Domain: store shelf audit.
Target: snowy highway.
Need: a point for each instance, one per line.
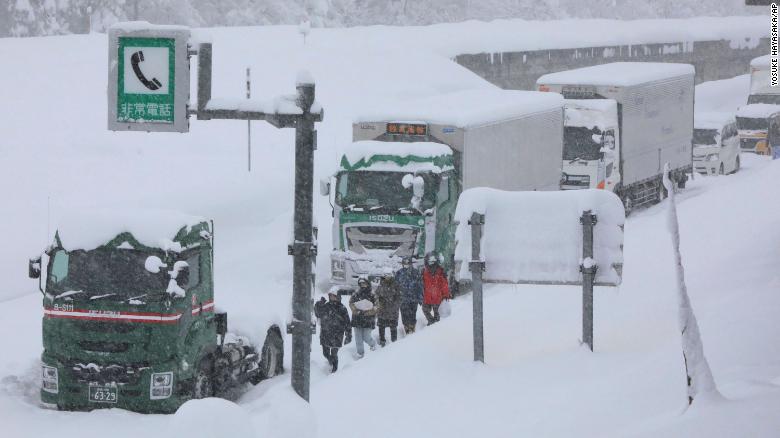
(537, 381)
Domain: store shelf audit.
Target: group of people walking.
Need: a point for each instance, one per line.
(398, 292)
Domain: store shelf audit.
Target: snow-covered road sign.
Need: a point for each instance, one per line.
(148, 77)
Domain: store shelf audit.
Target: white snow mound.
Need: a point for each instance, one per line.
(211, 418)
(537, 236)
(89, 229)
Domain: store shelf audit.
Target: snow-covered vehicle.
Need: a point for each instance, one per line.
(397, 185)
(715, 143)
(129, 319)
(624, 120)
(762, 112)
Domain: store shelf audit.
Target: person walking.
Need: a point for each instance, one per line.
(409, 281)
(388, 301)
(363, 306)
(334, 326)
(435, 288)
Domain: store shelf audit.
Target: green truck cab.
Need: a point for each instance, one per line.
(130, 322)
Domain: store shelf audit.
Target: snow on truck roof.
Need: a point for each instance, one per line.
(92, 228)
(623, 74)
(755, 110)
(760, 62)
(712, 119)
(467, 108)
(397, 156)
(590, 113)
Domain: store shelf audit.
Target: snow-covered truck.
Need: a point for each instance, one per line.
(762, 112)
(624, 120)
(397, 185)
(129, 319)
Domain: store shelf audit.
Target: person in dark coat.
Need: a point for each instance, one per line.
(388, 302)
(435, 288)
(409, 281)
(334, 325)
(363, 306)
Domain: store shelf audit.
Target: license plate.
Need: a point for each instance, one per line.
(103, 394)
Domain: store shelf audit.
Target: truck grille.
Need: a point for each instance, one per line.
(399, 240)
(104, 346)
(127, 374)
(105, 327)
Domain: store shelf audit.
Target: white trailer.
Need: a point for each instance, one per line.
(654, 113)
(509, 140)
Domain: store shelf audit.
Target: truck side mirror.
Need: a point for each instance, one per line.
(183, 278)
(34, 268)
(325, 186)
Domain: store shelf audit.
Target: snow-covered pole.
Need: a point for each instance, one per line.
(588, 269)
(477, 266)
(248, 125)
(303, 247)
(697, 370)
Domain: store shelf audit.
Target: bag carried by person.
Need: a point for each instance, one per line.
(444, 309)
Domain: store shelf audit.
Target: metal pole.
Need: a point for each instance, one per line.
(204, 79)
(248, 126)
(303, 248)
(588, 269)
(477, 266)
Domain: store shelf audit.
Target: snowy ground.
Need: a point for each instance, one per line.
(56, 155)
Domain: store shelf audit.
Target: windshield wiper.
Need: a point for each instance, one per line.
(69, 293)
(98, 297)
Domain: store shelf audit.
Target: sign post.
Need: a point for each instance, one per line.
(148, 78)
(148, 90)
(477, 266)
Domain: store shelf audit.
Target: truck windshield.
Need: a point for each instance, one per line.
(751, 123)
(382, 190)
(579, 143)
(114, 274)
(772, 99)
(705, 136)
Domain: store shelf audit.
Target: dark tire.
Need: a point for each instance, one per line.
(202, 383)
(272, 355)
(681, 179)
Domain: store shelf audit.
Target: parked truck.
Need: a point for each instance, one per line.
(397, 185)
(760, 118)
(129, 319)
(624, 120)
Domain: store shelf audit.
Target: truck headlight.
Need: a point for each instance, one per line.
(337, 268)
(161, 385)
(713, 157)
(50, 379)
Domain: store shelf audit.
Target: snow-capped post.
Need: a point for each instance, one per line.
(477, 266)
(697, 370)
(304, 28)
(588, 268)
(303, 248)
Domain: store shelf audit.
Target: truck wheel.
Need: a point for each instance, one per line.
(681, 179)
(273, 354)
(203, 386)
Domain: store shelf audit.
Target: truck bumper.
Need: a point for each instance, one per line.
(346, 268)
(70, 386)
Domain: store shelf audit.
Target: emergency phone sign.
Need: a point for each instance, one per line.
(148, 86)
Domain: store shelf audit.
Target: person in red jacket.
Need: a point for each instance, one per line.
(435, 288)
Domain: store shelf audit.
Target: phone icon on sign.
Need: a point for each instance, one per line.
(137, 58)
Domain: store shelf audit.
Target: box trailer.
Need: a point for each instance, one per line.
(653, 111)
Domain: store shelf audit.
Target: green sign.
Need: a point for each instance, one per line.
(146, 80)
